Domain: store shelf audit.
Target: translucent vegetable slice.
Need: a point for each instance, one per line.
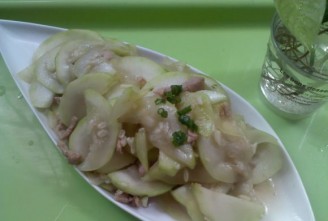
(95, 137)
(213, 158)
(40, 96)
(72, 103)
(117, 162)
(167, 165)
(45, 71)
(142, 147)
(267, 161)
(216, 206)
(183, 176)
(166, 80)
(129, 181)
(69, 53)
(201, 110)
(61, 37)
(267, 158)
(136, 69)
(97, 59)
(186, 198)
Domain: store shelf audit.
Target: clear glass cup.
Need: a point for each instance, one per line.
(294, 81)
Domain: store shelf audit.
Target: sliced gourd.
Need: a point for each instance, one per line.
(216, 206)
(95, 136)
(186, 198)
(72, 103)
(64, 36)
(135, 69)
(166, 80)
(142, 147)
(40, 96)
(267, 161)
(121, 48)
(45, 71)
(212, 88)
(129, 181)
(69, 53)
(172, 208)
(213, 158)
(117, 162)
(183, 176)
(27, 74)
(97, 59)
(168, 166)
(201, 111)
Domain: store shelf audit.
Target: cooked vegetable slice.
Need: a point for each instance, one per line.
(97, 59)
(28, 73)
(72, 103)
(95, 138)
(216, 206)
(213, 158)
(129, 181)
(61, 37)
(142, 147)
(45, 71)
(267, 161)
(68, 54)
(165, 80)
(136, 69)
(185, 197)
(167, 165)
(117, 162)
(41, 97)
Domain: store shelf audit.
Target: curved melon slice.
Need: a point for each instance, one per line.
(95, 136)
(97, 59)
(216, 206)
(45, 71)
(267, 160)
(213, 159)
(136, 69)
(69, 53)
(166, 80)
(61, 37)
(129, 181)
(72, 103)
(185, 197)
(40, 96)
(118, 162)
(212, 88)
(142, 146)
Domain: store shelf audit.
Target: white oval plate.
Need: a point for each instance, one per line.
(19, 40)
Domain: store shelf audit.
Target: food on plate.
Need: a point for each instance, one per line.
(144, 129)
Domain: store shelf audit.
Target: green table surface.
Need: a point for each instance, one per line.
(226, 39)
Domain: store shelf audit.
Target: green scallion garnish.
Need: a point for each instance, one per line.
(185, 110)
(179, 138)
(187, 121)
(172, 98)
(162, 112)
(160, 101)
(176, 89)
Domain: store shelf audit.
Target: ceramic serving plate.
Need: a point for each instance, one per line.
(287, 200)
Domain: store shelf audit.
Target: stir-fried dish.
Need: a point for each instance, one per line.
(144, 129)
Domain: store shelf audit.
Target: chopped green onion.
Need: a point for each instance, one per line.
(162, 112)
(187, 121)
(172, 98)
(176, 89)
(185, 110)
(179, 138)
(160, 101)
